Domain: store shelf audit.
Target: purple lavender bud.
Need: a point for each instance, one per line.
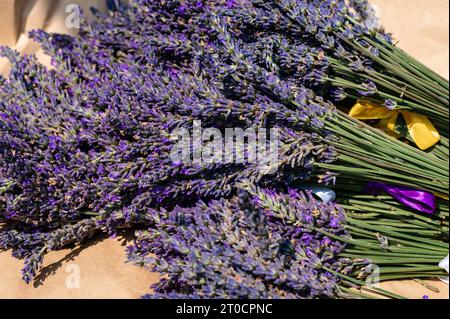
(368, 89)
(390, 104)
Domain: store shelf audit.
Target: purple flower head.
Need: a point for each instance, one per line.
(390, 105)
(229, 249)
(369, 88)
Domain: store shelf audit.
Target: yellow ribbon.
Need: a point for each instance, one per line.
(422, 131)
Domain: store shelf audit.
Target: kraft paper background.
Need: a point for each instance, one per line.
(422, 28)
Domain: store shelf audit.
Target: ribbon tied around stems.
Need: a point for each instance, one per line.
(412, 198)
(420, 128)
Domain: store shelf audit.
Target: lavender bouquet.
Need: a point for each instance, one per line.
(347, 57)
(259, 244)
(86, 147)
(363, 152)
(356, 56)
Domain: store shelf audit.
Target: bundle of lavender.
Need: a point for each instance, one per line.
(258, 244)
(364, 59)
(364, 153)
(88, 146)
(347, 56)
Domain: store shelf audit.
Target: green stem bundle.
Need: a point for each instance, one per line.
(366, 154)
(404, 244)
(397, 76)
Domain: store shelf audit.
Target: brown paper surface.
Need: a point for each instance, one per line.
(422, 28)
(9, 22)
(100, 264)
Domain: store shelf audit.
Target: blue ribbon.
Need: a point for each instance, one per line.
(325, 194)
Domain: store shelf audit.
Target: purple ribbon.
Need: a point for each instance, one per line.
(413, 198)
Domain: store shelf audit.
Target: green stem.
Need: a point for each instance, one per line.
(362, 284)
